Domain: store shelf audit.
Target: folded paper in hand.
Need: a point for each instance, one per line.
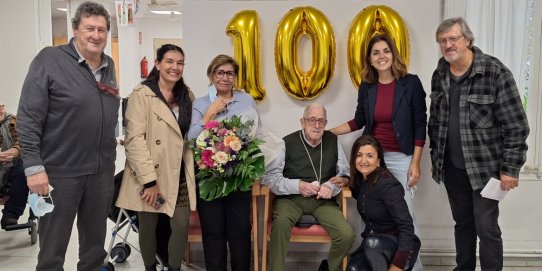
(493, 190)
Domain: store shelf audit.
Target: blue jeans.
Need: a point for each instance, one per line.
(475, 217)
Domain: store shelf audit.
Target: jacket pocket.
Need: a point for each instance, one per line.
(481, 111)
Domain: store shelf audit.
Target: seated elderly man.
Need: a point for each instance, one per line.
(304, 178)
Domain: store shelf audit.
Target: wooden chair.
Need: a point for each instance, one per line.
(313, 234)
(194, 228)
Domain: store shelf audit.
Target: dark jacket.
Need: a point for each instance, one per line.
(409, 111)
(64, 121)
(493, 123)
(383, 209)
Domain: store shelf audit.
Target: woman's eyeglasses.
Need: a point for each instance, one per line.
(221, 73)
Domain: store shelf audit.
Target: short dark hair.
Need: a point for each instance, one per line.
(87, 9)
(398, 67)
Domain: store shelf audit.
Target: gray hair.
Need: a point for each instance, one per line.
(87, 9)
(445, 25)
(314, 105)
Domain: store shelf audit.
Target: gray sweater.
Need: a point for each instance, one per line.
(65, 123)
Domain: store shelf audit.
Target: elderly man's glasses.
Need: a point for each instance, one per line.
(221, 74)
(313, 121)
(452, 40)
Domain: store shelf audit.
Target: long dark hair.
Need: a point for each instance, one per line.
(398, 66)
(181, 93)
(375, 176)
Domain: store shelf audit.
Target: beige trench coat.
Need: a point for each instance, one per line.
(154, 149)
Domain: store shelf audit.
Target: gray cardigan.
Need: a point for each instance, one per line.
(65, 123)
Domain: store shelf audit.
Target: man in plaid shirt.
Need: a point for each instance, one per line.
(477, 130)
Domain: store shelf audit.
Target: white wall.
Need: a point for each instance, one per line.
(25, 31)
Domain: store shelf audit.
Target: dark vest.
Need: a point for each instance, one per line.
(297, 163)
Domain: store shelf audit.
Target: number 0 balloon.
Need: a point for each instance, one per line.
(312, 22)
(367, 23)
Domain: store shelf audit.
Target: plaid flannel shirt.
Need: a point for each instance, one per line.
(492, 121)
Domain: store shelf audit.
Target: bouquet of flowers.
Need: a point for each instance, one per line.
(228, 157)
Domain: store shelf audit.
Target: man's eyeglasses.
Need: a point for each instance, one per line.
(313, 121)
(221, 73)
(452, 40)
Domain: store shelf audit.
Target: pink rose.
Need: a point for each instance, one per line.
(201, 165)
(222, 131)
(220, 146)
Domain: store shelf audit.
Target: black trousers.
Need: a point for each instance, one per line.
(475, 217)
(376, 253)
(18, 192)
(225, 223)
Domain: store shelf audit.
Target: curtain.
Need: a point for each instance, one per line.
(499, 29)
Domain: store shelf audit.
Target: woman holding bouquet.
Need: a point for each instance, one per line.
(159, 171)
(225, 221)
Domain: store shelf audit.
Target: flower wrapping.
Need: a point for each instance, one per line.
(228, 157)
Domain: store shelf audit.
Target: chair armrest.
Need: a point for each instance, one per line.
(343, 203)
(256, 188)
(346, 192)
(264, 191)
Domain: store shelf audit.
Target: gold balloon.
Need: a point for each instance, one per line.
(312, 22)
(371, 21)
(244, 30)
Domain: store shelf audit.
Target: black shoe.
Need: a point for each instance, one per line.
(174, 268)
(323, 266)
(150, 267)
(8, 220)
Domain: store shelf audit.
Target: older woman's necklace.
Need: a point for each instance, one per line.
(318, 177)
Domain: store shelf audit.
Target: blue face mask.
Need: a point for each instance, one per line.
(212, 92)
(38, 204)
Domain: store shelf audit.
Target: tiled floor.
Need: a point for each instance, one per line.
(17, 254)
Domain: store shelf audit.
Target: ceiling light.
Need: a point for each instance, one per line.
(63, 9)
(166, 12)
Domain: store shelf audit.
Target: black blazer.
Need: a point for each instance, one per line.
(383, 209)
(409, 111)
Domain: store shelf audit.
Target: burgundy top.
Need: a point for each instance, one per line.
(383, 118)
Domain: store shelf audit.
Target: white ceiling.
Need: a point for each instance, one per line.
(144, 8)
